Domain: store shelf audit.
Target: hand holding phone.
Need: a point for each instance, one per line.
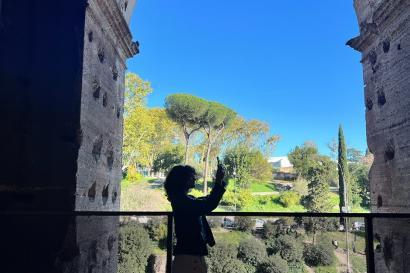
(220, 172)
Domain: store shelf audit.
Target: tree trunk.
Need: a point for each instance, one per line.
(207, 166)
(186, 148)
(314, 237)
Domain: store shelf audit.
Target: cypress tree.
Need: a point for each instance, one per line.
(343, 170)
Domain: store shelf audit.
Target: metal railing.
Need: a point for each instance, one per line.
(368, 218)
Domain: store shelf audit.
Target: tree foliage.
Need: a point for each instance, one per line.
(273, 264)
(222, 258)
(147, 131)
(136, 91)
(216, 118)
(244, 164)
(251, 251)
(187, 111)
(250, 133)
(167, 159)
(343, 171)
(315, 255)
(158, 231)
(288, 247)
(289, 198)
(303, 158)
(134, 249)
(244, 223)
(360, 184)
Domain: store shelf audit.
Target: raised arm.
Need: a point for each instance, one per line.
(206, 204)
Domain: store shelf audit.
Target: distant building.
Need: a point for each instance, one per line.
(281, 163)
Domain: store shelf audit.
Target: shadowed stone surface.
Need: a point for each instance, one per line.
(62, 77)
(384, 42)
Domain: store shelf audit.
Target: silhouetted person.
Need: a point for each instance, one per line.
(191, 227)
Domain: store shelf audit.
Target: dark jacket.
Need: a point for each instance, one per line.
(191, 227)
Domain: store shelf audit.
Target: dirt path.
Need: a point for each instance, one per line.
(341, 257)
(309, 269)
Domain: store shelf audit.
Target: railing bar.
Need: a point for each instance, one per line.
(369, 244)
(169, 243)
(167, 213)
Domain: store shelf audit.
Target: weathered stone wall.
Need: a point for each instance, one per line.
(384, 42)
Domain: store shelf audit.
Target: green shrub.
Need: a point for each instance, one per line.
(240, 198)
(301, 186)
(245, 198)
(158, 230)
(270, 230)
(251, 251)
(244, 223)
(230, 198)
(134, 249)
(289, 198)
(264, 199)
(273, 264)
(326, 269)
(288, 247)
(133, 175)
(316, 255)
(222, 258)
(297, 267)
(196, 193)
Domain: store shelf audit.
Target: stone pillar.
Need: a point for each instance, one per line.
(62, 68)
(384, 42)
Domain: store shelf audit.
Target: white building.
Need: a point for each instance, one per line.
(280, 162)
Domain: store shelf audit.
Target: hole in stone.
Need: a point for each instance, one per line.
(369, 104)
(92, 253)
(90, 36)
(389, 152)
(91, 192)
(114, 196)
(110, 159)
(96, 89)
(125, 5)
(379, 201)
(106, 262)
(101, 54)
(118, 112)
(114, 73)
(110, 242)
(386, 45)
(90, 268)
(372, 57)
(381, 98)
(399, 47)
(388, 249)
(105, 194)
(97, 146)
(105, 99)
(79, 137)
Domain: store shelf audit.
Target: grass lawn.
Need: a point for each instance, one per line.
(262, 187)
(334, 200)
(143, 196)
(326, 269)
(270, 204)
(232, 237)
(358, 263)
(340, 237)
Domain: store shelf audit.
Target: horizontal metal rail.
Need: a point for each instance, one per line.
(168, 213)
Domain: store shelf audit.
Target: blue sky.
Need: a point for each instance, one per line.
(283, 62)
